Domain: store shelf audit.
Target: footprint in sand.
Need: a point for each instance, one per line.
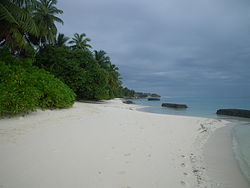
(183, 156)
(182, 182)
(183, 165)
(127, 154)
(185, 173)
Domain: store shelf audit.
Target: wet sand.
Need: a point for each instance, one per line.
(222, 167)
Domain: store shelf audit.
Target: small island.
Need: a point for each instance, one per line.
(131, 94)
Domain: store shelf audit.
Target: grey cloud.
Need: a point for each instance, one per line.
(193, 47)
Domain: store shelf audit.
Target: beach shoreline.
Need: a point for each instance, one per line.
(222, 167)
(110, 144)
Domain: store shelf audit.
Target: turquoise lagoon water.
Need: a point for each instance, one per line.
(207, 107)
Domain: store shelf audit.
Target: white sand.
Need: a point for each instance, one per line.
(107, 145)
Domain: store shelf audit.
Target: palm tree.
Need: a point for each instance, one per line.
(114, 82)
(79, 42)
(102, 59)
(15, 23)
(44, 15)
(61, 40)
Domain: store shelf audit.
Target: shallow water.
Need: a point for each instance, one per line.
(241, 147)
(197, 106)
(207, 107)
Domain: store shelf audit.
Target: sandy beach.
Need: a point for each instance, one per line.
(105, 145)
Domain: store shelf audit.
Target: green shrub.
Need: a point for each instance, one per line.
(23, 88)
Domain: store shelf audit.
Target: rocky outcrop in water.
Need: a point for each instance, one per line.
(153, 99)
(128, 102)
(171, 105)
(234, 112)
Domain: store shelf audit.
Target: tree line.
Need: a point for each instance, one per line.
(41, 68)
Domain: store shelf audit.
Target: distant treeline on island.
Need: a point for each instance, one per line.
(128, 93)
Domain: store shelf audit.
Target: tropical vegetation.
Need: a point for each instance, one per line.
(41, 68)
(24, 88)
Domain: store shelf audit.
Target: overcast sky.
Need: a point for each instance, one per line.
(171, 47)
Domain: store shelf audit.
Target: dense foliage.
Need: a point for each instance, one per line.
(28, 32)
(128, 92)
(77, 69)
(24, 88)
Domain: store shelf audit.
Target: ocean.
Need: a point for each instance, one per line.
(207, 107)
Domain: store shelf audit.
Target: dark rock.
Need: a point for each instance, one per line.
(128, 102)
(234, 112)
(153, 99)
(171, 105)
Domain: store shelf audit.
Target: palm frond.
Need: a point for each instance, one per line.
(12, 13)
(27, 23)
(6, 15)
(59, 20)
